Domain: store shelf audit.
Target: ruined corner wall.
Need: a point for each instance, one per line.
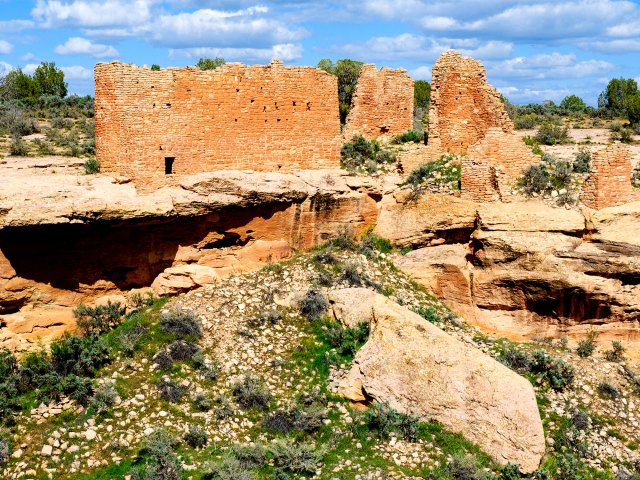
(479, 181)
(503, 153)
(382, 104)
(609, 183)
(261, 117)
(463, 105)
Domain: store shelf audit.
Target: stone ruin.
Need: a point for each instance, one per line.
(382, 104)
(261, 117)
(609, 182)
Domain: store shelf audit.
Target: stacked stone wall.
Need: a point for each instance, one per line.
(382, 104)
(463, 105)
(265, 118)
(609, 183)
(479, 181)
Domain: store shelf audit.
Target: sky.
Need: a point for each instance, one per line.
(532, 50)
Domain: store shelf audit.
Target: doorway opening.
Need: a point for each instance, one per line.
(168, 165)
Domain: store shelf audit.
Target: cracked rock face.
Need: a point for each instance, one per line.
(419, 369)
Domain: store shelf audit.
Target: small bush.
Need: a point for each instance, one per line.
(347, 341)
(91, 165)
(608, 391)
(164, 360)
(139, 301)
(170, 390)
(587, 346)
(371, 242)
(129, 340)
(196, 437)
(465, 468)
(4, 451)
(163, 464)
(251, 392)
(351, 275)
(580, 420)
(285, 421)
(551, 134)
(356, 153)
(535, 180)
(182, 351)
(249, 456)
(297, 457)
(269, 317)
(230, 468)
(325, 257)
(616, 354)
(99, 319)
(202, 402)
(582, 162)
(558, 373)
(516, 359)
(78, 388)
(82, 356)
(104, 398)
(430, 314)
(18, 147)
(313, 305)
(223, 407)
(406, 137)
(445, 171)
(181, 323)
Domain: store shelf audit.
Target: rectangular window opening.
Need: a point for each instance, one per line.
(168, 165)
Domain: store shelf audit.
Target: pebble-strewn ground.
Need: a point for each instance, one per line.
(66, 441)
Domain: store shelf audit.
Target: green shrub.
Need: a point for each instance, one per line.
(465, 468)
(18, 147)
(8, 364)
(608, 391)
(582, 162)
(223, 407)
(535, 180)
(155, 67)
(580, 420)
(558, 373)
(163, 360)
(372, 242)
(587, 346)
(525, 122)
(170, 390)
(99, 319)
(287, 420)
(251, 392)
(363, 153)
(616, 354)
(78, 388)
(202, 402)
(163, 464)
(43, 147)
(196, 437)
(516, 359)
(313, 305)
(181, 351)
(104, 398)
(130, 339)
(297, 457)
(430, 314)
(91, 166)
(447, 170)
(181, 323)
(249, 456)
(551, 134)
(4, 451)
(406, 137)
(386, 156)
(347, 341)
(229, 468)
(82, 356)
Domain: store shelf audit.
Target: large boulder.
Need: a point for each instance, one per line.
(180, 279)
(419, 369)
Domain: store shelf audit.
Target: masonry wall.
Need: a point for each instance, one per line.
(235, 117)
(609, 182)
(463, 105)
(382, 105)
(479, 181)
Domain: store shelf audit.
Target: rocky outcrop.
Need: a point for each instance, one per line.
(529, 270)
(67, 239)
(419, 369)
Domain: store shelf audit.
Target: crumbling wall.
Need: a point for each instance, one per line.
(609, 183)
(479, 181)
(265, 118)
(463, 105)
(382, 104)
(505, 153)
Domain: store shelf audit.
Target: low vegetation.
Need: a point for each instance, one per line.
(365, 156)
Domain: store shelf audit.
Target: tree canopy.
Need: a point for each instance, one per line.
(47, 79)
(573, 103)
(210, 63)
(347, 72)
(614, 97)
(421, 93)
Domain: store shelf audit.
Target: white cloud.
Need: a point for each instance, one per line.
(626, 45)
(77, 72)
(5, 68)
(28, 57)
(248, 28)
(87, 13)
(549, 66)
(285, 52)
(83, 46)
(421, 73)
(5, 47)
(30, 68)
(421, 48)
(15, 25)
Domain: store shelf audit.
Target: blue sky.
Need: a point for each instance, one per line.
(533, 50)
